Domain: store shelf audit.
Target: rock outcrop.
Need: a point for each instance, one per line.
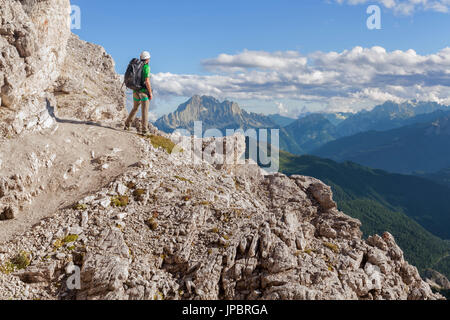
(169, 228)
(44, 65)
(88, 87)
(436, 280)
(33, 38)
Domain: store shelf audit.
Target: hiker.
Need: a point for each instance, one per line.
(141, 96)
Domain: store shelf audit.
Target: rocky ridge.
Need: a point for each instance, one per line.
(174, 228)
(88, 87)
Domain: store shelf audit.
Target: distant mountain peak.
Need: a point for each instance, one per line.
(214, 114)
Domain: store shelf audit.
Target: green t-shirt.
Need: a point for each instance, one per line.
(145, 75)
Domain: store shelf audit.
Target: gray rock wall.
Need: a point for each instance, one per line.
(88, 87)
(33, 43)
(43, 64)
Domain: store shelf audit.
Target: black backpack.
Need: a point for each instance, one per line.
(133, 77)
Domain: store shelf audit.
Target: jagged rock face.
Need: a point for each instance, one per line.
(88, 87)
(437, 280)
(214, 115)
(171, 229)
(33, 37)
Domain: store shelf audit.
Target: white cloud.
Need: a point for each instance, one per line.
(152, 117)
(255, 59)
(282, 109)
(405, 7)
(334, 79)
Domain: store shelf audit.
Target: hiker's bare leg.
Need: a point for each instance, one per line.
(145, 107)
(133, 112)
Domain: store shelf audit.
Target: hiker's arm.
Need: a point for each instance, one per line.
(149, 88)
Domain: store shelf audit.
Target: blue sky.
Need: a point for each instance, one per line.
(182, 35)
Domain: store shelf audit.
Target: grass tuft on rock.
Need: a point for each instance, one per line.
(183, 179)
(68, 239)
(79, 207)
(21, 261)
(119, 201)
(162, 142)
(332, 247)
(152, 224)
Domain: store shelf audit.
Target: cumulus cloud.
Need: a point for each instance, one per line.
(405, 7)
(256, 59)
(333, 79)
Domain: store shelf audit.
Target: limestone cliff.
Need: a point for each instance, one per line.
(48, 76)
(33, 43)
(44, 65)
(88, 87)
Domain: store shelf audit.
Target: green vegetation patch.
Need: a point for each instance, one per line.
(120, 201)
(68, 239)
(161, 142)
(215, 230)
(21, 261)
(79, 207)
(332, 247)
(183, 179)
(152, 224)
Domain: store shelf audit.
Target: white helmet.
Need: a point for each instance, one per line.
(145, 55)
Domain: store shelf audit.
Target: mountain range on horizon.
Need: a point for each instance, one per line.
(419, 147)
(310, 131)
(214, 115)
